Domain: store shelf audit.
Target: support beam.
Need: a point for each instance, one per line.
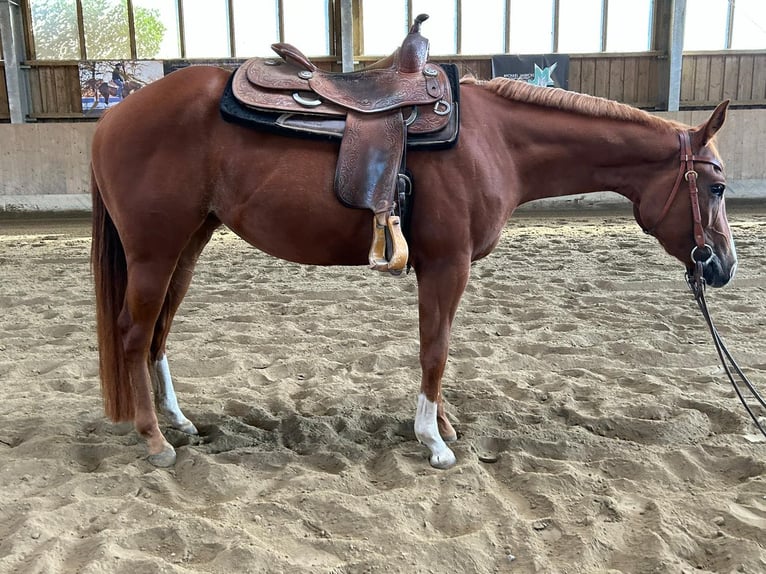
(675, 54)
(346, 36)
(13, 52)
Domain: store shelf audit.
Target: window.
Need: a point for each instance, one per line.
(156, 23)
(441, 27)
(306, 25)
(256, 27)
(749, 26)
(628, 26)
(531, 27)
(168, 29)
(105, 23)
(482, 27)
(54, 27)
(206, 28)
(580, 26)
(384, 24)
(706, 24)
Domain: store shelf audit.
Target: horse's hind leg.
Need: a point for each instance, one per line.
(164, 394)
(145, 294)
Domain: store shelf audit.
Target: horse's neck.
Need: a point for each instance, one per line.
(558, 154)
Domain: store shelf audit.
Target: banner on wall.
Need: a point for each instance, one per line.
(105, 83)
(547, 70)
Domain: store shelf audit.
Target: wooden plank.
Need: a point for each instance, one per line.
(643, 93)
(630, 81)
(35, 91)
(758, 91)
(59, 88)
(601, 88)
(49, 89)
(68, 89)
(745, 78)
(730, 77)
(654, 81)
(715, 79)
(588, 76)
(575, 74)
(702, 78)
(688, 73)
(616, 79)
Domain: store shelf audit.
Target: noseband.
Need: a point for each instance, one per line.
(702, 252)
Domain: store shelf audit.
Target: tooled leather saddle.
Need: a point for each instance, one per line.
(401, 101)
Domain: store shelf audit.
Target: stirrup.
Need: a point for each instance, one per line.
(383, 224)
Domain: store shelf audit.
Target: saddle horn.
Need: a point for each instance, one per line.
(414, 51)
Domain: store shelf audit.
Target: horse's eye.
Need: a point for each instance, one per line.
(717, 189)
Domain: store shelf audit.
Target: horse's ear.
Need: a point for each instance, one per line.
(704, 133)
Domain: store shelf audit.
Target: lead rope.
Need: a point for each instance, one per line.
(697, 285)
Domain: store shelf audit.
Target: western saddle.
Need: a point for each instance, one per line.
(373, 110)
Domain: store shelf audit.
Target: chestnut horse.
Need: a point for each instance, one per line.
(183, 171)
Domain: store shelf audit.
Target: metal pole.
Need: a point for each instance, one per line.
(13, 52)
(675, 54)
(346, 36)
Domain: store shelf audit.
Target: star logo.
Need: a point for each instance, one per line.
(543, 76)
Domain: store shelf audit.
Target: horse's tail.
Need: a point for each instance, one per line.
(110, 274)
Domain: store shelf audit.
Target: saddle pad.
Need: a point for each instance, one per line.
(322, 128)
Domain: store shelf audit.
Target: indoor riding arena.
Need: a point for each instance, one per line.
(478, 293)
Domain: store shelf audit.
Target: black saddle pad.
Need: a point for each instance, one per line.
(235, 112)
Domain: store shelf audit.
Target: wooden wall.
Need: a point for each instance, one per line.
(628, 78)
(634, 78)
(739, 76)
(55, 91)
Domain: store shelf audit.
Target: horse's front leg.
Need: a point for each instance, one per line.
(440, 286)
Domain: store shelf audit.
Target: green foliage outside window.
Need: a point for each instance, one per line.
(54, 24)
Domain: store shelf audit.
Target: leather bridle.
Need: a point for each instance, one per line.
(702, 252)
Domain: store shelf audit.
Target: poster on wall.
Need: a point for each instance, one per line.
(105, 83)
(547, 70)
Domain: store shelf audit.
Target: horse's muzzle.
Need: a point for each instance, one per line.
(717, 273)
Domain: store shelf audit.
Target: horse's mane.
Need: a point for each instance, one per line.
(565, 100)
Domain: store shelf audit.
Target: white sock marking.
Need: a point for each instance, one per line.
(166, 396)
(427, 432)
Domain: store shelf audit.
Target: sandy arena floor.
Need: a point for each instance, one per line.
(579, 365)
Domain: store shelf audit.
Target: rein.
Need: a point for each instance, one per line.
(697, 286)
(700, 255)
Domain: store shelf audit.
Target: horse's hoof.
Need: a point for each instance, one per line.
(163, 459)
(449, 437)
(187, 427)
(443, 460)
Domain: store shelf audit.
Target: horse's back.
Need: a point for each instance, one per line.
(169, 102)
